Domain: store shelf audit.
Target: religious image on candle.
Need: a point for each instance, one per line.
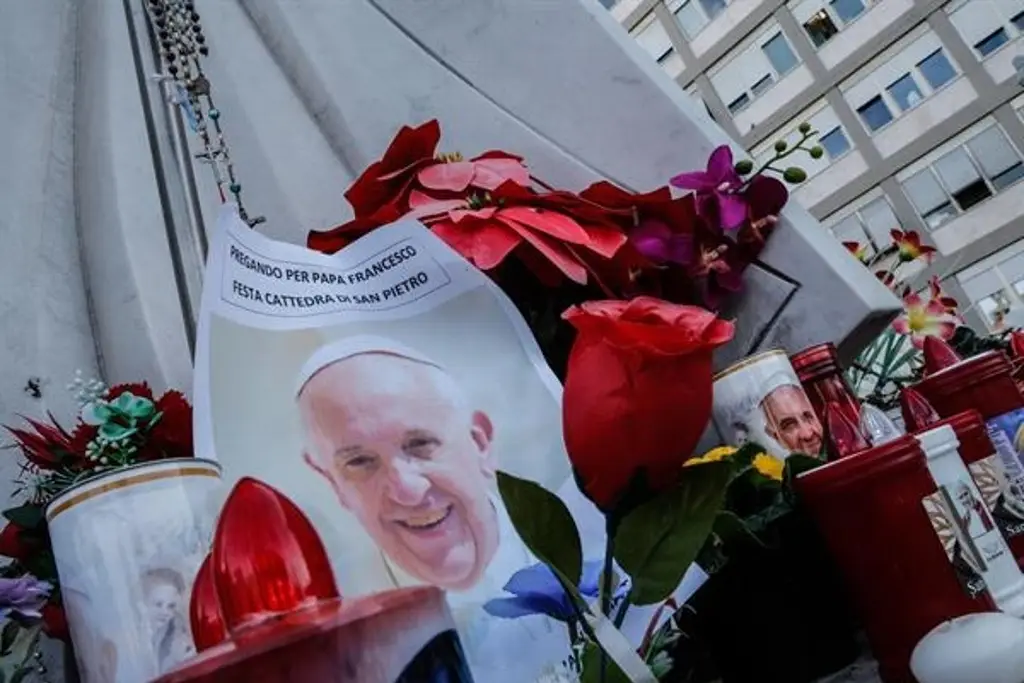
(952, 530)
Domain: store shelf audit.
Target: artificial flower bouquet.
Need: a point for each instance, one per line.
(621, 290)
(117, 427)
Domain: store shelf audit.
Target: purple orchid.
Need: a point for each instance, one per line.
(24, 597)
(535, 590)
(656, 242)
(719, 182)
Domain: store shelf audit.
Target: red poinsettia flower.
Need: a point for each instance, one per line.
(339, 237)
(910, 248)
(411, 162)
(139, 389)
(485, 229)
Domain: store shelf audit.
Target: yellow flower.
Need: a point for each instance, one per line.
(714, 455)
(769, 466)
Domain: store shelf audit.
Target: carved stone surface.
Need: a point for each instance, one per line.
(100, 264)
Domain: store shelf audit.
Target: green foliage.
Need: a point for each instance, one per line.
(658, 540)
(543, 522)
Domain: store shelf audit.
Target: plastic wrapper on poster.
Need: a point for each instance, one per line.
(381, 389)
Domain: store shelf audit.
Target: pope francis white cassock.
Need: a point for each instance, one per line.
(410, 458)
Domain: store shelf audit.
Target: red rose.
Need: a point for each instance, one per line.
(55, 624)
(637, 392)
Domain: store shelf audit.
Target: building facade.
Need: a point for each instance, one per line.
(918, 108)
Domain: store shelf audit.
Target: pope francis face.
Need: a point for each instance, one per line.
(407, 456)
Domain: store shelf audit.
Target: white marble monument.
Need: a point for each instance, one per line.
(103, 217)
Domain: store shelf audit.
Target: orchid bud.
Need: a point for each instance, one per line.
(781, 145)
(794, 174)
(744, 166)
(805, 127)
(938, 355)
(816, 152)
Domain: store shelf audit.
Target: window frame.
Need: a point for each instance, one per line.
(921, 82)
(1012, 26)
(868, 239)
(842, 131)
(646, 22)
(827, 8)
(772, 74)
(951, 199)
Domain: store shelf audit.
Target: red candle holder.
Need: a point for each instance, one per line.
(823, 380)
(871, 509)
(265, 608)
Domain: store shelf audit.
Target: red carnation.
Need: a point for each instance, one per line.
(171, 436)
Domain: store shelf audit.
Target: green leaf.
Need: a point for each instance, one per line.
(657, 541)
(27, 516)
(732, 529)
(543, 522)
(592, 667)
(7, 636)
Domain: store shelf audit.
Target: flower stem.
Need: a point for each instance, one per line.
(611, 525)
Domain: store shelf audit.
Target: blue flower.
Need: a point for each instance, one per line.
(537, 591)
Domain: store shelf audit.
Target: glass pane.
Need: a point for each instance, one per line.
(654, 39)
(905, 92)
(1019, 287)
(848, 10)
(1008, 177)
(1018, 21)
(609, 3)
(739, 103)
(820, 28)
(1013, 268)
(875, 113)
(937, 69)
(780, 54)
(762, 85)
(956, 170)
(835, 142)
(850, 230)
(879, 220)
(925, 192)
(972, 194)
(713, 7)
(690, 18)
(940, 216)
(991, 42)
(993, 151)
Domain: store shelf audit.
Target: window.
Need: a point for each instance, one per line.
(835, 143)
(780, 54)
(936, 69)
(653, 38)
(848, 10)
(820, 28)
(762, 85)
(832, 17)
(713, 7)
(995, 286)
(923, 79)
(992, 42)
(739, 104)
(905, 92)
(988, 25)
(869, 225)
(875, 113)
(690, 18)
(965, 176)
